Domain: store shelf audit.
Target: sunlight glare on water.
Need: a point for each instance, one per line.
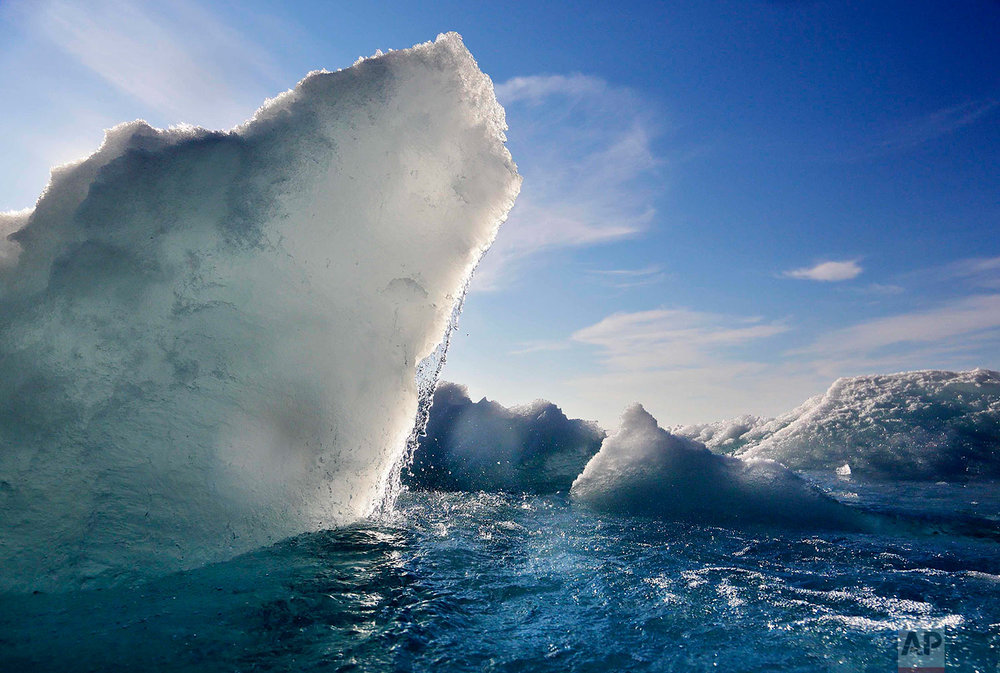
(493, 582)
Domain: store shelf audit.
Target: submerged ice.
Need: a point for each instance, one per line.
(210, 339)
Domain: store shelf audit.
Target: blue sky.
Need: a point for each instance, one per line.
(726, 204)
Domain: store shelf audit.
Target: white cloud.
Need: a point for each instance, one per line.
(959, 321)
(585, 150)
(691, 366)
(540, 346)
(671, 338)
(708, 392)
(883, 289)
(687, 365)
(626, 278)
(536, 89)
(933, 125)
(175, 57)
(907, 134)
(650, 270)
(980, 271)
(827, 271)
(968, 274)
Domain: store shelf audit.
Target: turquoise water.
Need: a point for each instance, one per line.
(488, 582)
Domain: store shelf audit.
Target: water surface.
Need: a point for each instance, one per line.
(471, 582)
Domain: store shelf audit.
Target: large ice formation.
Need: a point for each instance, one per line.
(484, 446)
(936, 425)
(726, 436)
(209, 339)
(643, 469)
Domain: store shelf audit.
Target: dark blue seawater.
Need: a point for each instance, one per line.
(487, 582)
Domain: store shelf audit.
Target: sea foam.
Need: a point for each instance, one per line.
(210, 339)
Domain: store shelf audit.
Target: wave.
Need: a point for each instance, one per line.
(210, 339)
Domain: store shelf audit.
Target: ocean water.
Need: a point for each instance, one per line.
(492, 582)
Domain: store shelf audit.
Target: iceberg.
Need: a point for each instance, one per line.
(726, 436)
(211, 340)
(485, 446)
(643, 469)
(926, 425)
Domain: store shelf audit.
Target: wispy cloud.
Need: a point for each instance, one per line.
(827, 271)
(883, 289)
(981, 272)
(175, 57)
(909, 134)
(710, 392)
(950, 324)
(585, 149)
(936, 124)
(690, 366)
(626, 278)
(671, 338)
(536, 89)
(529, 347)
(685, 365)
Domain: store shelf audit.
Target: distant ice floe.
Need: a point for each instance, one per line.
(930, 425)
(210, 339)
(726, 436)
(484, 446)
(643, 469)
